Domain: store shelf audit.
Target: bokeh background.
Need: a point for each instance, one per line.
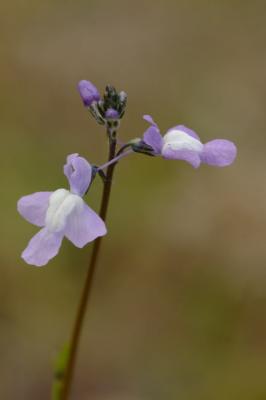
(178, 305)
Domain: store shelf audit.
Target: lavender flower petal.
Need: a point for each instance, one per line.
(219, 153)
(192, 157)
(152, 136)
(83, 226)
(34, 206)
(79, 172)
(150, 120)
(88, 92)
(42, 247)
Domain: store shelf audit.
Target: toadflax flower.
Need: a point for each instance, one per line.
(181, 143)
(61, 213)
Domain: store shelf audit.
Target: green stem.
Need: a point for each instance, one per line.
(74, 343)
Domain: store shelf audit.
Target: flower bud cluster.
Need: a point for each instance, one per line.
(107, 110)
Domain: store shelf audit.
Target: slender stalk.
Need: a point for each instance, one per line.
(74, 342)
(116, 159)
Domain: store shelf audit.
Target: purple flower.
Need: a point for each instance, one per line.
(181, 143)
(88, 92)
(61, 213)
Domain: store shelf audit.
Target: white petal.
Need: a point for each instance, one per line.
(61, 204)
(179, 140)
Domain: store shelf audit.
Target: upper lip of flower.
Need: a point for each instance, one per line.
(79, 174)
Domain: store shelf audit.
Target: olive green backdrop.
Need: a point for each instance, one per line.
(178, 305)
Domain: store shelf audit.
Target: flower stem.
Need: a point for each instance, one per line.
(116, 159)
(74, 343)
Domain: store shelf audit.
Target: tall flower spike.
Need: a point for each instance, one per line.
(61, 213)
(181, 143)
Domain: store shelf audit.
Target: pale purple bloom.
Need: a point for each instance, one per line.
(61, 213)
(88, 92)
(181, 143)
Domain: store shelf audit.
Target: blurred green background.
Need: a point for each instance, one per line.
(178, 305)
